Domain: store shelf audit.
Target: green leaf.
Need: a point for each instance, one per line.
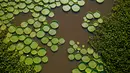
(42, 52)
(37, 60)
(28, 61)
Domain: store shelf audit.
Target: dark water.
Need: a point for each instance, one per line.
(70, 29)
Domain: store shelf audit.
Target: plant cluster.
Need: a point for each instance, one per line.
(112, 38)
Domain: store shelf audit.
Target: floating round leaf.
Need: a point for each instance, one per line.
(40, 34)
(53, 5)
(16, 12)
(19, 46)
(22, 37)
(85, 59)
(45, 11)
(70, 50)
(34, 45)
(95, 24)
(31, 6)
(21, 52)
(58, 4)
(34, 14)
(97, 15)
(100, 67)
(78, 56)
(61, 41)
(76, 71)
(54, 48)
(33, 52)
(28, 41)
(1, 13)
(37, 60)
(46, 28)
(88, 70)
(66, 7)
(49, 44)
(71, 57)
(54, 25)
(22, 5)
(52, 32)
(24, 24)
(44, 40)
(85, 25)
(42, 18)
(83, 51)
(14, 39)
(75, 46)
(42, 52)
(81, 3)
(71, 3)
(28, 61)
(71, 42)
(11, 29)
(95, 55)
(45, 59)
(3, 27)
(89, 16)
(90, 51)
(91, 28)
(64, 1)
(27, 30)
(28, 1)
(100, 1)
(31, 21)
(55, 40)
(37, 68)
(75, 8)
(12, 47)
(82, 66)
(45, 1)
(37, 24)
(37, 8)
(100, 21)
(92, 64)
(6, 40)
(19, 31)
(22, 58)
(32, 34)
(26, 49)
(51, 14)
(26, 10)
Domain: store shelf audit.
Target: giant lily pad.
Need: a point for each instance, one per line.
(19, 31)
(82, 66)
(26, 49)
(28, 41)
(40, 34)
(92, 64)
(34, 45)
(14, 39)
(45, 59)
(37, 68)
(44, 40)
(19, 46)
(75, 8)
(71, 57)
(28, 61)
(37, 60)
(54, 48)
(42, 52)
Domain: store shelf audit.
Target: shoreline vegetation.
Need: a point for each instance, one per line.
(112, 39)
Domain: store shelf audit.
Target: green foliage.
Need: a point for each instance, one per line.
(112, 38)
(9, 61)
